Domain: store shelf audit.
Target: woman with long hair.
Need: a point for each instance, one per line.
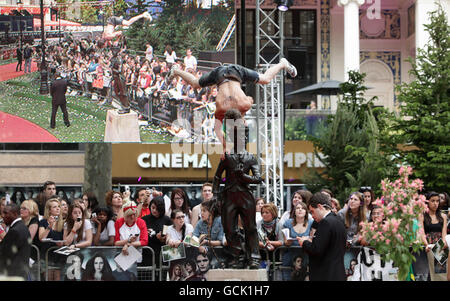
(369, 198)
(77, 230)
(434, 221)
(296, 198)
(64, 208)
(155, 222)
(178, 231)
(299, 225)
(29, 212)
(114, 200)
(210, 225)
(103, 230)
(51, 227)
(91, 202)
(179, 200)
(98, 269)
(352, 215)
(170, 55)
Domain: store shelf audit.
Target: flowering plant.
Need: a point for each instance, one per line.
(397, 236)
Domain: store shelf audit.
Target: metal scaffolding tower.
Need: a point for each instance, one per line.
(269, 103)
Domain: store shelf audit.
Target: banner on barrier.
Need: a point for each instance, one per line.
(370, 267)
(92, 264)
(195, 264)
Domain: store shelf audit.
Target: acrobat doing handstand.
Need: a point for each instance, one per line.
(228, 80)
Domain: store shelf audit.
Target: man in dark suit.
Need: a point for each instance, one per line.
(16, 246)
(327, 248)
(19, 58)
(58, 90)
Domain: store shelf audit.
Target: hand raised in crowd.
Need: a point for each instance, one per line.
(162, 238)
(95, 220)
(77, 225)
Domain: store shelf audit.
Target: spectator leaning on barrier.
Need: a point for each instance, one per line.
(210, 227)
(155, 223)
(29, 213)
(269, 230)
(352, 215)
(51, 227)
(299, 225)
(103, 227)
(77, 229)
(130, 229)
(178, 231)
(296, 198)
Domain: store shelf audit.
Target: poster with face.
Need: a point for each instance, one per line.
(96, 264)
(295, 265)
(196, 264)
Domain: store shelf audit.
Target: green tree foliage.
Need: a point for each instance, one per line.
(182, 27)
(350, 145)
(425, 102)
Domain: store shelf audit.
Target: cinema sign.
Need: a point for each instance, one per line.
(159, 162)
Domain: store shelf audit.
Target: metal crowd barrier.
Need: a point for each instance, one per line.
(35, 270)
(277, 258)
(275, 267)
(145, 273)
(164, 267)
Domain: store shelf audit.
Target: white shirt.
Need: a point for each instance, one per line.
(173, 234)
(15, 221)
(87, 226)
(190, 62)
(149, 54)
(170, 58)
(109, 230)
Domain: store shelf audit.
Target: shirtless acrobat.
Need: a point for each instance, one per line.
(110, 34)
(228, 80)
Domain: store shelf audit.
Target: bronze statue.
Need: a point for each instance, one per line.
(236, 199)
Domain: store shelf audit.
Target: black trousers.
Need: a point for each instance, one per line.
(240, 203)
(19, 64)
(65, 114)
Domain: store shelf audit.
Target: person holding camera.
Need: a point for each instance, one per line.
(130, 229)
(103, 227)
(77, 230)
(155, 223)
(51, 227)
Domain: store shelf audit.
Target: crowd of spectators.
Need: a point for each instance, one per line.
(154, 219)
(87, 64)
